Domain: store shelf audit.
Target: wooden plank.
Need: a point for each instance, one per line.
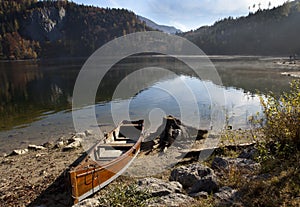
(111, 153)
(118, 145)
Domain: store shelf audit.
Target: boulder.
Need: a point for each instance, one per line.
(158, 187)
(248, 153)
(19, 152)
(35, 147)
(201, 194)
(90, 202)
(195, 178)
(226, 196)
(224, 163)
(173, 199)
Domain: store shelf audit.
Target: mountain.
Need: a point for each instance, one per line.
(266, 32)
(163, 28)
(33, 29)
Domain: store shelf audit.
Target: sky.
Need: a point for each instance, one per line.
(186, 14)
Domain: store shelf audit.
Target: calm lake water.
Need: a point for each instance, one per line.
(36, 97)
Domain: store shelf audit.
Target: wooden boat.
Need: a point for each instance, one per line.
(107, 160)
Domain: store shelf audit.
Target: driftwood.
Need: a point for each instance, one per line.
(194, 153)
(173, 129)
(170, 130)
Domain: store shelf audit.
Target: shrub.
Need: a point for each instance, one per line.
(282, 123)
(122, 194)
(278, 183)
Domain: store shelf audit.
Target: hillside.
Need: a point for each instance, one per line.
(266, 32)
(33, 29)
(163, 28)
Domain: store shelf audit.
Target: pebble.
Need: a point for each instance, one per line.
(59, 144)
(88, 132)
(35, 147)
(19, 152)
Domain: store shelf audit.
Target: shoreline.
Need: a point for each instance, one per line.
(37, 177)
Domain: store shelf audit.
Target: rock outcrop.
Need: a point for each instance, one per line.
(226, 196)
(158, 187)
(173, 200)
(164, 193)
(225, 163)
(45, 24)
(195, 178)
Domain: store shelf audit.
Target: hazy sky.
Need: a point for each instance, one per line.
(185, 14)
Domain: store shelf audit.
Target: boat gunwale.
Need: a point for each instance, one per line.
(98, 166)
(108, 164)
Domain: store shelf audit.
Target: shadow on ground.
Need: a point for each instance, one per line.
(58, 194)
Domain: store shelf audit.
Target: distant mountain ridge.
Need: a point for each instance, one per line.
(266, 32)
(163, 28)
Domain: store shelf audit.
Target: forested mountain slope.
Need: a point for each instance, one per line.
(266, 32)
(32, 29)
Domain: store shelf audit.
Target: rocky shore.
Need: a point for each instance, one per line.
(36, 176)
(291, 67)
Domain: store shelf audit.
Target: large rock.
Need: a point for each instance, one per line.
(158, 187)
(226, 196)
(195, 178)
(91, 202)
(164, 193)
(174, 200)
(225, 163)
(248, 153)
(201, 194)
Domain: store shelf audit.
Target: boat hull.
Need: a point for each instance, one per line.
(90, 176)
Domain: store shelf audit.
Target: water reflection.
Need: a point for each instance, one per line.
(27, 92)
(37, 95)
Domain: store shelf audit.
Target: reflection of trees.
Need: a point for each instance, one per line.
(26, 91)
(29, 89)
(14, 79)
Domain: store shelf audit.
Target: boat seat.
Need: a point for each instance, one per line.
(102, 152)
(116, 145)
(111, 153)
(122, 138)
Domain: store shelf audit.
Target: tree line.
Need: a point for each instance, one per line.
(84, 28)
(265, 32)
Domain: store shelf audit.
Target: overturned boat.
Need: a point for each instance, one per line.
(107, 160)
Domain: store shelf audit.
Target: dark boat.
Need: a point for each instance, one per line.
(107, 160)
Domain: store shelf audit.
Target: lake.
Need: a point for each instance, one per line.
(36, 96)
